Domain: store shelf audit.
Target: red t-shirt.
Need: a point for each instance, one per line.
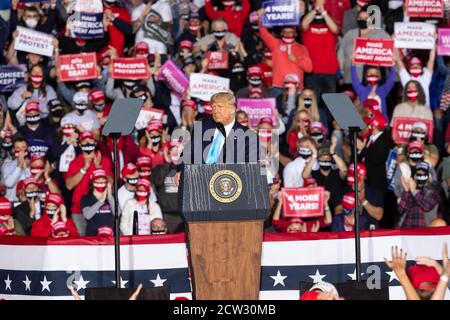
(117, 38)
(157, 157)
(43, 227)
(336, 9)
(267, 74)
(321, 45)
(83, 187)
(292, 141)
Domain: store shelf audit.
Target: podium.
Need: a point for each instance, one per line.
(225, 206)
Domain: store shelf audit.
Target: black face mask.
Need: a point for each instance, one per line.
(418, 136)
(155, 140)
(237, 70)
(319, 20)
(325, 165)
(158, 231)
(219, 35)
(51, 212)
(7, 145)
(129, 84)
(81, 108)
(57, 113)
(99, 107)
(421, 180)
(305, 153)
(33, 119)
(317, 136)
(415, 156)
(307, 102)
(87, 148)
(31, 195)
(132, 182)
(362, 24)
(255, 27)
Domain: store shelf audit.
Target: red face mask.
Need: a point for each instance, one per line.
(141, 195)
(100, 186)
(372, 80)
(412, 95)
(36, 79)
(288, 39)
(415, 72)
(194, 28)
(67, 131)
(35, 170)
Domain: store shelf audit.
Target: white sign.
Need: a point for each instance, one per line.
(146, 115)
(414, 35)
(91, 6)
(203, 86)
(32, 41)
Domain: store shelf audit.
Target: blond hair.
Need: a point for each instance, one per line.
(227, 96)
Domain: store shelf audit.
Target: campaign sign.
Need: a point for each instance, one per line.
(217, 60)
(281, 13)
(391, 167)
(424, 8)
(32, 41)
(204, 86)
(77, 67)
(374, 52)
(11, 77)
(175, 79)
(146, 114)
(402, 127)
(87, 25)
(414, 35)
(130, 69)
(257, 109)
(303, 202)
(444, 42)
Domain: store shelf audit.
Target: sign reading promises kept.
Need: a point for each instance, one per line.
(130, 69)
(303, 202)
(11, 76)
(281, 13)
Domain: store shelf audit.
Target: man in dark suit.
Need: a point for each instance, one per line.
(221, 139)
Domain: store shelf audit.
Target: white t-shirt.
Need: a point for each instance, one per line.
(136, 13)
(292, 174)
(88, 120)
(424, 79)
(153, 45)
(124, 195)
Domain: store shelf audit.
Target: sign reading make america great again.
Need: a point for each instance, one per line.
(374, 52)
(425, 8)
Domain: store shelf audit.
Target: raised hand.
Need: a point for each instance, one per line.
(398, 262)
(63, 212)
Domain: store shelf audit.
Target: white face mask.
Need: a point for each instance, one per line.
(31, 23)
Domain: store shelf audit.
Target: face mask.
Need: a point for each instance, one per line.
(317, 136)
(412, 95)
(237, 70)
(219, 34)
(156, 140)
(31, 195)
(418, 136)
(100, 186)
(372, 80)
(57, 113)
(88, 148)
(129, 84)
(67, 132)
(415, 72)
(421, 180)
(51, 212)
(33, 119)
(307, 102)
(37, 80)
(305, 153)
(194, 28)
(254, 82)
(81, 108)
(325, 165)
(288, 39)
(159, 231)
(228, 3)
(132, 182)
(255, 27)
(7, 145)
(110, 3)
(362, 24)
(36, 170)
(144, 174)
(141, 195)
(31, 23)
(415, 156)
(99, 107)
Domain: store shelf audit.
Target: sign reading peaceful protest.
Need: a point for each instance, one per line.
(130, 69)
(175, 79)
(281, 13)
(146, 114)
(217, 60)
(414, 35)
(303, 202)
(87, 21)
(32, 41)
(374, 52)
(424, 8)
(203, 86)
(444, 42)
(402, 127)
(77, 67)
(11, 76)
(257, 109)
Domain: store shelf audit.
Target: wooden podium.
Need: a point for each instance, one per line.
(225, 206)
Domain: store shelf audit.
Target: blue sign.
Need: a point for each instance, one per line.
(391, 167)
(281, 13)
(11, 76)
(38, 147)
(87, 25)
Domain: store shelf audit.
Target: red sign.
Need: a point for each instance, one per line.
(374, 52)
(77, 67)
(130, 69)
(401, 129)
(217, 60)
(303, 202)
(425, 8)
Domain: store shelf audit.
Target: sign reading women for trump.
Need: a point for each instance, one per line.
(281, 13)
(374, 52)
(32, 41)
(425, 8)
(303, 202)
(87, 21)
(76, 67)
(11, 77)
(444, 42)
(175, 79)
(414, 35)
(257, 109)
(204, 86)
(402, 127)
(130, 69)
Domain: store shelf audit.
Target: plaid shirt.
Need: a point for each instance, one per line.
(415, 206)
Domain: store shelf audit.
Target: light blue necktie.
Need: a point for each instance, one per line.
(214, 151)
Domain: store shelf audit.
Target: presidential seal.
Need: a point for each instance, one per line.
(225, 186)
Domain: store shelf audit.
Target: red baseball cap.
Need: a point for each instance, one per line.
(29, 181)
(255, 71)
(186, 44)
(5, 208)
(59, 228)
(310, 295)
(54, 198)
(154, 125)
(36, 157)
(105, 231)
(141, 46)
(130, 168)
(379, 121)
(373, 105)
(348, 201)
(420, 274)
(413, 61)
(87, 135)
(189, 103)
(174, 143)
(32, 105)
(144, 183)
(266, 120)
(256, 90)
(362, 171)
(309, 182)
(97, 95)
(98, 173)
(144, 161)
(415, 145)
(207, 107)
